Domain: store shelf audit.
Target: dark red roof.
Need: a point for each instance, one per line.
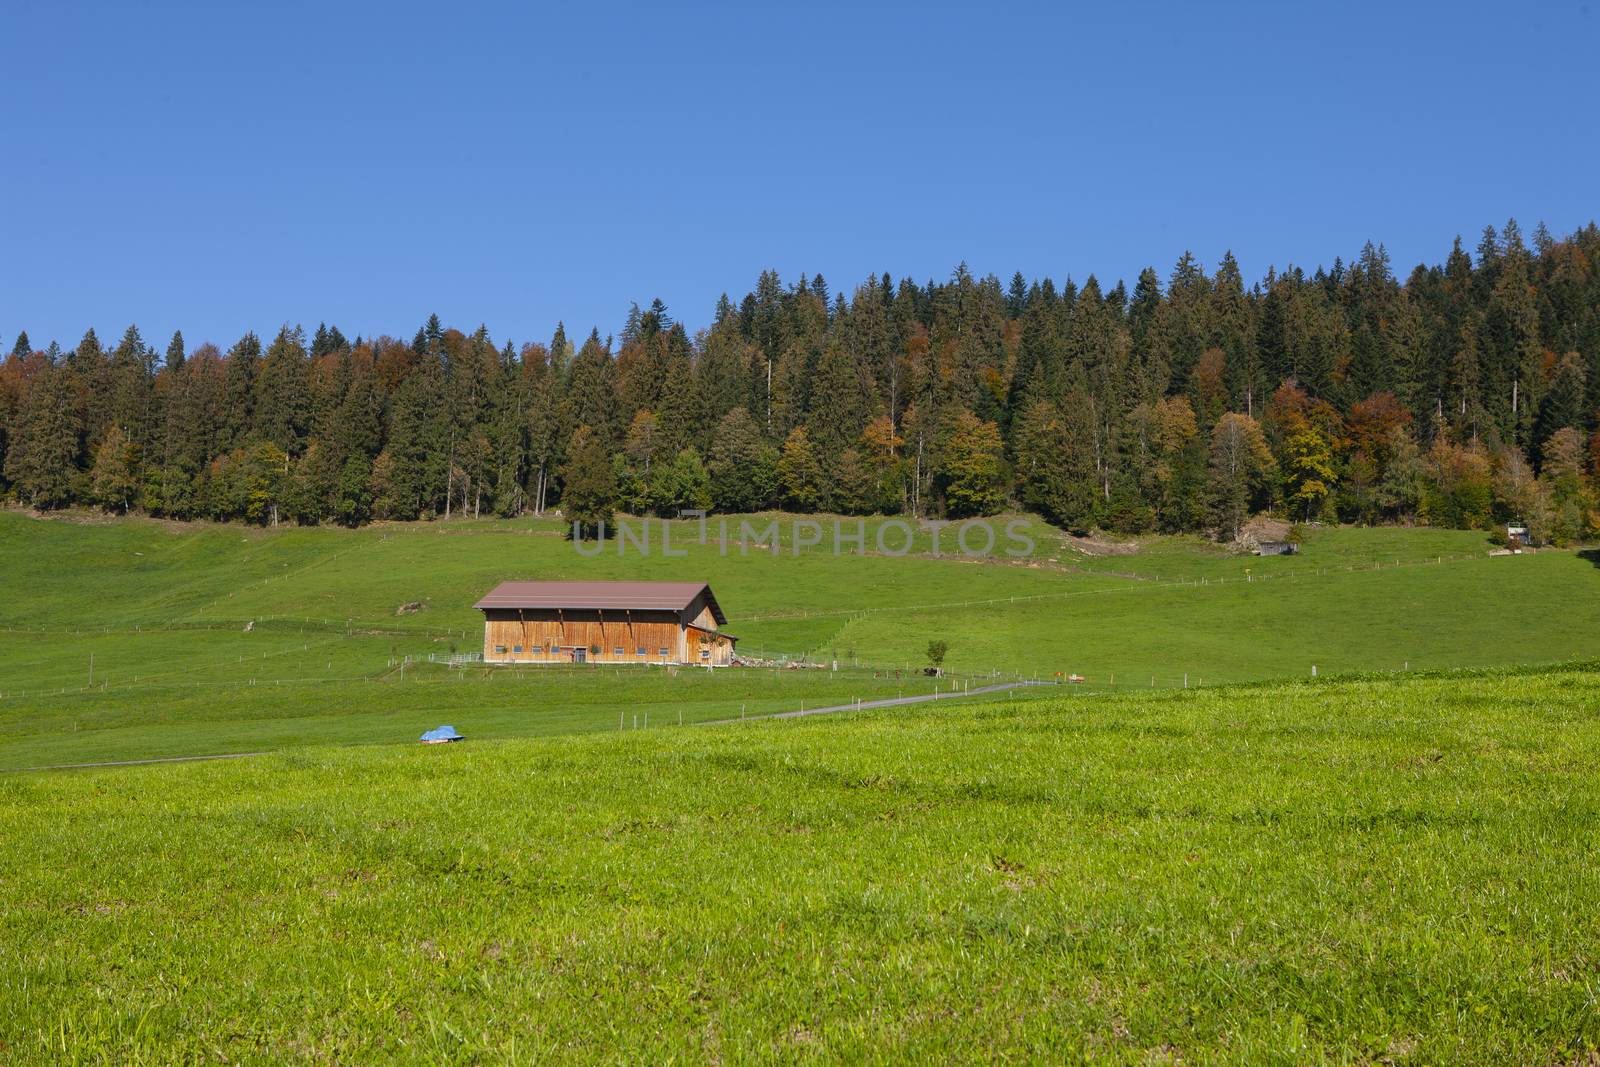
(601, 596)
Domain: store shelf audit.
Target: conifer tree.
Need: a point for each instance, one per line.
(282, 392)
(314, 488)
(592, 393)
(743, 467)
(41, 460)
(589, 491)
(243, 363)
(1563, 403)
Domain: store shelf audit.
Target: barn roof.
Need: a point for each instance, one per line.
(601, 596)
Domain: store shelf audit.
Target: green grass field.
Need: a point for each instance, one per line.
(1398, 869)
(1395, 867)
(127, 639)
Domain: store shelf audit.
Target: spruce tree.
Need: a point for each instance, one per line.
(1563, 403)
(282, 387)
(314, 490)
(588, 495)
(41, 461)
(743, 467)
(175, 352)
(243, 363)
(592, 392)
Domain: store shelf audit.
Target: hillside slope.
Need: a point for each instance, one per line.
(1396, 869)
(133, 639)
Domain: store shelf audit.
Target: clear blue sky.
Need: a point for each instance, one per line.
(223, 167)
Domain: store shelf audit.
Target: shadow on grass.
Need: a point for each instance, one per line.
(1590, 554)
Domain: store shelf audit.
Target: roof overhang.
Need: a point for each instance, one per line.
(599, 596)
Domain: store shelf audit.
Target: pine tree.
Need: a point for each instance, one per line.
(592, 393)
(1563, 402)
(313, 494)
(723, 371)
(282, 388)
(243, 363)
(1017, 296)
(132, 374)
(589, 493)
(560, 349)
(353, 500)
(841, 401)
(1055, 454)
(743, 468)
(41, 460)
(1403, 482)
(683, 423)
(1466, 387)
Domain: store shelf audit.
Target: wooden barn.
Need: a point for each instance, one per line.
(605, 622)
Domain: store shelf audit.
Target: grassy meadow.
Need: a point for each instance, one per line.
(1397, 869)
(127, 639)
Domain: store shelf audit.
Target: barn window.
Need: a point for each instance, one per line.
(642, 651)
(517, 650)
(705, 653)
(664, 653)
(618, 651)
(499, 650)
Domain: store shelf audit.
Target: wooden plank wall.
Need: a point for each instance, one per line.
(719, 647)
(555, 637)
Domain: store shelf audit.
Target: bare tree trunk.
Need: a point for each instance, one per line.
(916, 485)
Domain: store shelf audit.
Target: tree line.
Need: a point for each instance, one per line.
(1465, 395)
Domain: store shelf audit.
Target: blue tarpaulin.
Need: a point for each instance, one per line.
(443, 733)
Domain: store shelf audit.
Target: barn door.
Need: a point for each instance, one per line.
(579, 655)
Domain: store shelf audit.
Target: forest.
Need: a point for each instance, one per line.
(1466, 394)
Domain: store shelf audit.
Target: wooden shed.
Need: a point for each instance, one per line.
(605, 622)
